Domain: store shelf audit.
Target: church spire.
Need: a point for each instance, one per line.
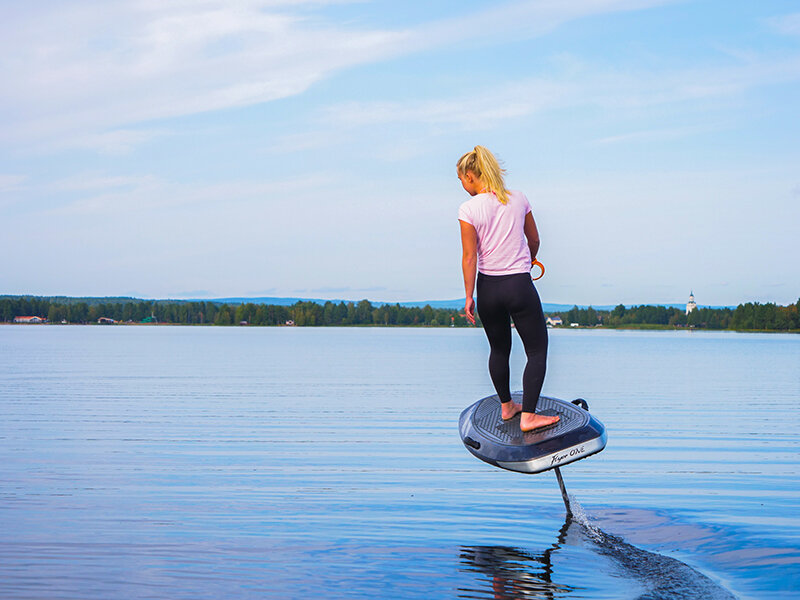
(691, 304)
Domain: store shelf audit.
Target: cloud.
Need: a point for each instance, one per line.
(578, 85)
(94, 182)
(786, 24)
(651, 135)
(115, 142)
(521, 20)
(80, 68)
(119, 195)
(328, 290)
(10, 182)
(82, 73)
(483, 110)
(191, 294)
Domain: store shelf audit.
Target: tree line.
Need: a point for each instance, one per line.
(302, 313)
(749, 316)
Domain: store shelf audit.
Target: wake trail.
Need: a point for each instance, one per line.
(663, 577)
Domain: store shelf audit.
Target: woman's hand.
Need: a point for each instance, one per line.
(469, 310)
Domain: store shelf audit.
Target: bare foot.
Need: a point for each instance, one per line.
(510, 409)
(530, 421)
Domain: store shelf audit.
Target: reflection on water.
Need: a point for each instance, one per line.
(517, 574)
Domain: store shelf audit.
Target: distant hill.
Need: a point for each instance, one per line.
(549, 307)
(451, 304)
(457, 303)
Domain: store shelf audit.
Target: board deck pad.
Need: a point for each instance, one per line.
(488, 420)
(576, 435)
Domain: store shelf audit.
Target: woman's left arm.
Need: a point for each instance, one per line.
(532, 235)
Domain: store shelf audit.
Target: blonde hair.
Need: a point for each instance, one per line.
(486, 168)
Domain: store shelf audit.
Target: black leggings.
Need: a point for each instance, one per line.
(514, 296)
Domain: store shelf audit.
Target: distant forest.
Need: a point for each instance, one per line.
(750, 316)
(56, 310)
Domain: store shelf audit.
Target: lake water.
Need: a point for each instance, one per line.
(202, 462)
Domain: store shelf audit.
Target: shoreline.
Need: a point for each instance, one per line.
(629, 327)
(745, 317)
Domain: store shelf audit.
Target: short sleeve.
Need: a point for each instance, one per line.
(464, 214)
(528, 208)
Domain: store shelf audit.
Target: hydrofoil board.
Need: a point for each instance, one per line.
(577, 434)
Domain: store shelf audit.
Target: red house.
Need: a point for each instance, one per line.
(29, 320)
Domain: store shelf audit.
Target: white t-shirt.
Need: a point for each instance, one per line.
(502, 246)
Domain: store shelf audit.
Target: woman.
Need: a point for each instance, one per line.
(500, 241)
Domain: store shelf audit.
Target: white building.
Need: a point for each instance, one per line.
(691, 304)
(554, 321)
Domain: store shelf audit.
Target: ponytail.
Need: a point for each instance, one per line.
(486, 168)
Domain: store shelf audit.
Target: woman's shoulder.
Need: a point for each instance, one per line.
(466, 211)
(466, 205)
(476, 200)
(518, 199)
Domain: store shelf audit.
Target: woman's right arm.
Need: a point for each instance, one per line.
(469, 266)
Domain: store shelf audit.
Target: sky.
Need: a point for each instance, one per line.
(307, 148)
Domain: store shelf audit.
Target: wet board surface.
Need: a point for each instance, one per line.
(578, 434)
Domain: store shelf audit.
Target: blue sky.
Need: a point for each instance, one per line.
(307, 148)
